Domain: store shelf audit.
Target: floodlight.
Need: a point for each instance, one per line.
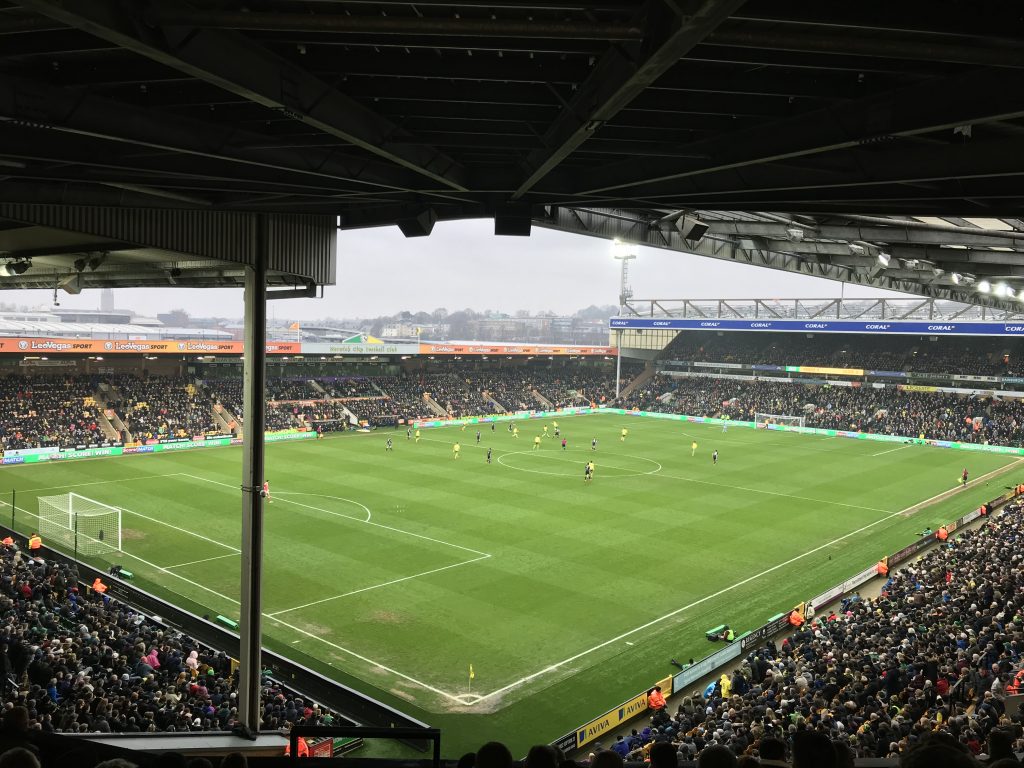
(856, 250)
(13, 268)
(984, 286)
(794, 234)
(884, 258)
(691, 228)
(956, 277)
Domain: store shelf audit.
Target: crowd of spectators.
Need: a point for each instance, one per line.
(955, 356)
(935, 415)
(925, 665)
(160, 406)
(324, 416)
(227, 392)
(406, 399)
(347, 386)
(578, 386)
(456, 394)
(290, 388)
(48, 411)
(76, 661)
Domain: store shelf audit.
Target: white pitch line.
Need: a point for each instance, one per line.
(300, 631)
(367, 660)
(768, 493)
(358, 520)
(94, 482)
(891, 450)
(235, 550)
(204, 560)
(371, 662)
(378, 586)
(719, 593)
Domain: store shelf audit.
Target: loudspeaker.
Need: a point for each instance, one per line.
(691, 228)
(420, 225)
(513, 220)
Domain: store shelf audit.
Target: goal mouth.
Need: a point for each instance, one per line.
(776, 420)
(80, 524)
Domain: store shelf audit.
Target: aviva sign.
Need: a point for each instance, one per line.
(611, 720)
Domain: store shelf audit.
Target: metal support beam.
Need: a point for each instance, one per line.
(632, 227)
(253, 385)
(861, 168)
(77, 117)
(947, 48)
(938, 104)
(417, 26)
(619, 77)
(242, 67)
(980, 238)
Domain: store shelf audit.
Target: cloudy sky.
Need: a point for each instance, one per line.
(462, 264)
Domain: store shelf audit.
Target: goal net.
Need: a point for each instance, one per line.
(763, 420)
(80, 523)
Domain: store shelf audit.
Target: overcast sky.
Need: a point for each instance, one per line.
(463, 265)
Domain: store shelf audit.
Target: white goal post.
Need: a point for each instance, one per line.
(762, 420)
(80, 523)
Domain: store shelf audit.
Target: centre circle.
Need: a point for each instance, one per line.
(570, 464)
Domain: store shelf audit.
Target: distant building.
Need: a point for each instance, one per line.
(107, 300)
(550, 330)
(105, 317)
(407, 330)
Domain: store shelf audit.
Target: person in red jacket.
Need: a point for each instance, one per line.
(655, 698)
(303, 748)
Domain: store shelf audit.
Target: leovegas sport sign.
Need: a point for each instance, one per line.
(36, 345)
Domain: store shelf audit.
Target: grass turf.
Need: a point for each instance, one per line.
(393, 572)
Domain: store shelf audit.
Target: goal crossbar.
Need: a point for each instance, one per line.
(763, 420)
(80, 523)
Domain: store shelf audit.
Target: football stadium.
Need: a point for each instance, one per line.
(701, 530)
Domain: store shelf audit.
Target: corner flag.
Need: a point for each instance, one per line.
(472, 674)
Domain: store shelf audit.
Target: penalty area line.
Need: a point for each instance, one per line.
(367, 521)
(457, 698)
(378, 586)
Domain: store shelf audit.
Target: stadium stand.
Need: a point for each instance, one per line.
(457, 394)
(48, 411)
(348, 386)
(934, 415)
(406, 393)
(576, 387)
(81, 662)
(954, 356)
(160, 406)
(325, 416)
(279, 388)
(228, 393)
(933, 654)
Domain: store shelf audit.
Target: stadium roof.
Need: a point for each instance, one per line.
(380, 112)
(975, 260)
(816, 309)
(104, 331)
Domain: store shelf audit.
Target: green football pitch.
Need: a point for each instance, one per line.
(395, 571)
